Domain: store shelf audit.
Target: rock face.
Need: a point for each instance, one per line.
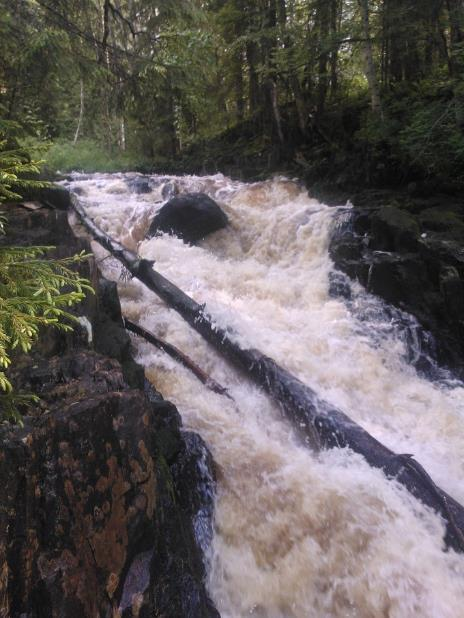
(190, 216)
(414, 260)
(105, 504)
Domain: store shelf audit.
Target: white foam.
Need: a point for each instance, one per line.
(297, 535)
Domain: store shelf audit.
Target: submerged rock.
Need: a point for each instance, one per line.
(169, 190)
(190, 216)
(139, 185)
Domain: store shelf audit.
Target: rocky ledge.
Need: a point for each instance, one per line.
(105, 503)
(412, 255)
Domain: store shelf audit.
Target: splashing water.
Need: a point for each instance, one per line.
(297, 534)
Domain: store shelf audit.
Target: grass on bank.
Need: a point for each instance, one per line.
(87, 156)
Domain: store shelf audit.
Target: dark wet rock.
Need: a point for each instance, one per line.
(191, 216)
(393, 229)
(91, 519)
(339, 285)
(99, 507)
(445, 221)
(414, 261)
(169, 190)
(110, 336)
(139, 185)
(193, 478)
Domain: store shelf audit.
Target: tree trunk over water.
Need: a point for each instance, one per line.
(178, 356)
(320, 424)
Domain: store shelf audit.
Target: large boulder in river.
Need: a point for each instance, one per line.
(191, 216)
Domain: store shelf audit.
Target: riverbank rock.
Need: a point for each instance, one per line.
(414, 259)
(190, 216)
(101, 493)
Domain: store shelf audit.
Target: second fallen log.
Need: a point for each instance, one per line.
(177, 355)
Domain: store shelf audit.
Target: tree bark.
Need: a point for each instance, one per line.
(292, 74)
(81, 113)
(178, 356)
(254, 90)
(319, 424)
(335, 10)
(371, 75)
(323, 23)
(104, 56)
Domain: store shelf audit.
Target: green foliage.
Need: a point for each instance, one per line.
(432, 140)
(35, 291)
(89, 156)
(135, 84)
(14, 162)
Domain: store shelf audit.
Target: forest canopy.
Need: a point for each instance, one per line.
(370, 90)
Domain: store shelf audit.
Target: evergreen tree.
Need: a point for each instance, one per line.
(35, 290)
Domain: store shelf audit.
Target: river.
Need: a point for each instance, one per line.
(297, 534)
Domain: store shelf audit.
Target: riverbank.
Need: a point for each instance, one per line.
(101, 488)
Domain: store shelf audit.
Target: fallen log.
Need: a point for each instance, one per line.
(179, 356)
(320, 424)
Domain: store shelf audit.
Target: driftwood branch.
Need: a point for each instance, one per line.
(179, 356)
(320, 424)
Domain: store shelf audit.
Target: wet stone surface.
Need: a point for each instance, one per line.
(98, 509)
(414, 260)
(191, 216)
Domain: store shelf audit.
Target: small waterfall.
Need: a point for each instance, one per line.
(296, 534)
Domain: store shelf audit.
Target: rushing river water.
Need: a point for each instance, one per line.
(297, 534)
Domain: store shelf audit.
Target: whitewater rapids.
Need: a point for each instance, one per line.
(297, 534)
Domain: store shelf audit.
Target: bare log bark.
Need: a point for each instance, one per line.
(320, 424)
(179, 356)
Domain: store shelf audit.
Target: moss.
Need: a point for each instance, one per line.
(443, 221)
(399, 219)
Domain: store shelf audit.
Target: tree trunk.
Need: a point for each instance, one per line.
(335, 10)
(275, 110)
(252, 60)
(323, 21)
(122, 134)
(178, 356)
(272, 99)
(104, 56)
(371, 75)
(319, 424)
(81, 114)
(238, 83)
(292, 74)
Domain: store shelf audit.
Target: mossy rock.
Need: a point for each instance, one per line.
(444, 221)
(394, 229)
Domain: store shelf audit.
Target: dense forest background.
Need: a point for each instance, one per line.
(351, 91)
